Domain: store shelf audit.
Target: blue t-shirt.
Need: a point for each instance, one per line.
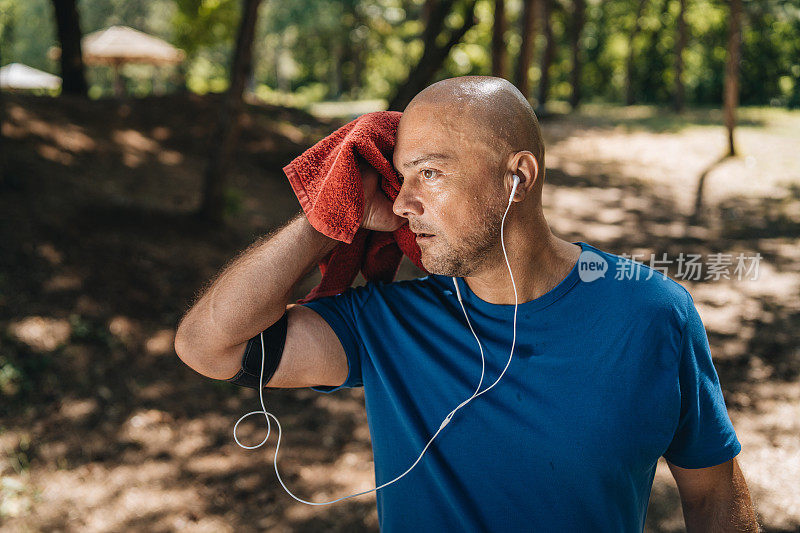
(608, 375)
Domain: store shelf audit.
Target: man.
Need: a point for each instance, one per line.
(607, 375)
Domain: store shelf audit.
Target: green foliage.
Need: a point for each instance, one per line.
(771, 65)
(471, 56)
(206, 31)
(392, 44)
(362, 49)
(152, 16)
(27, 31)
(202, 24)
(654, 61)
(21, 372)
(705, 56)
(10, 377)
(233, 201)
(598, 74)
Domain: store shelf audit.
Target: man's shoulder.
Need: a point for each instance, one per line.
(640, 287)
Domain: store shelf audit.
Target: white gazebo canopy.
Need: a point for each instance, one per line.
(19, 76)
(121, 44)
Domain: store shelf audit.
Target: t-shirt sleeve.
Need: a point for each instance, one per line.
(341, 312)
(705, 435)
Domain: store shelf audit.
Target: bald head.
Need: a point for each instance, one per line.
(492, 108)
(458, 145)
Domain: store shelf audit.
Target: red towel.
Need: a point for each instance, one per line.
(327, 182)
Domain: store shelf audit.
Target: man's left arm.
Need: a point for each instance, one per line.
(715, 499)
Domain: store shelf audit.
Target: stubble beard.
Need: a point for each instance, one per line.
(472, 251)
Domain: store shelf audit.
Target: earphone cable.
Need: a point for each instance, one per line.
(446, 419)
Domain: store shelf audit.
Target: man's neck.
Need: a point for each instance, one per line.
(539, 261)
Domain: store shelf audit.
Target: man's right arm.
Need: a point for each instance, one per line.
(249, 296)
(252, 294)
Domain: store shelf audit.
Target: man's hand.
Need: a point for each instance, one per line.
(378, 214)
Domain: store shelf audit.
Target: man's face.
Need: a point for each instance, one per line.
(451, 189)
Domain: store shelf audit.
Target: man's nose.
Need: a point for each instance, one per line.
(406, 203)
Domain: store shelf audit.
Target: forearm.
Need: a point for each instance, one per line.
(248, 296)
(731, 510)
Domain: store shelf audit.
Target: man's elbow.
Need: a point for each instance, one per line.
(186, 350)
(182, 347)
(215, 363)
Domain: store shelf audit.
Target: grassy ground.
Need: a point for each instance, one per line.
(103, 428)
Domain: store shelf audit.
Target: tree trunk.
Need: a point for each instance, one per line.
(547, 57)
(3, 180)
(651, 83)
(335, 89)
(578, 21)
(179, 77)
(224, 138)
(283, 83)
(358, 49)
(433, 55)
(499, 49)
(680, 45)
(7, 37)
(526, 47)
(630, 97)
(73, 78)
(731, 96)
(427, 11)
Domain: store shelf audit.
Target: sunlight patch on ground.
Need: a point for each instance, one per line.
(42, 334)
(136, 147)
(64, 137)
(161, 342)
(78, 409)
(63, 282)
(123, 327)
(134, 492)
(770, 458)
(767, 162)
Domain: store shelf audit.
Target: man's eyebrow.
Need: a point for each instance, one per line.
(428, 157)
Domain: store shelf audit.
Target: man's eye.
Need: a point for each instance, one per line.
(427, 173)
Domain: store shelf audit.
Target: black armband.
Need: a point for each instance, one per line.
(274, 340)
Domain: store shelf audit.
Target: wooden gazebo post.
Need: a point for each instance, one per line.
(119, 86)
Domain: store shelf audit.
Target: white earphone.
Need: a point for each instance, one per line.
(446, 419)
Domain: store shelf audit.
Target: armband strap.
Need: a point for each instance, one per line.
(274, 341)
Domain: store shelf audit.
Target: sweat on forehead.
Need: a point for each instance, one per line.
(489, 107)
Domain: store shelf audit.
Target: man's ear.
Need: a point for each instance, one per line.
(524, 166)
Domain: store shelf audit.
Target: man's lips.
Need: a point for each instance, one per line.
(421, 235)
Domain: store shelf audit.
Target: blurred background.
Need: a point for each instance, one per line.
(141, 149)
